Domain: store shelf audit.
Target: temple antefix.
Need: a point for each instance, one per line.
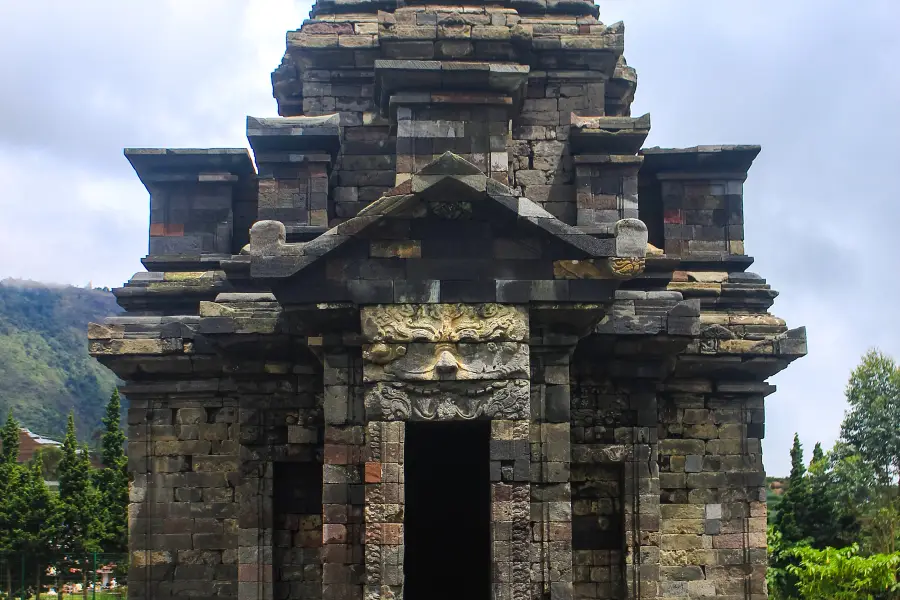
(450, 333)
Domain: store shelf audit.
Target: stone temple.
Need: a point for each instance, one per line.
(450, 332)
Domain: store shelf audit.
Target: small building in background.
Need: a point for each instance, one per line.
(30, 442)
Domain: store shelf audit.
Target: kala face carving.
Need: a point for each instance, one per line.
(446, 361)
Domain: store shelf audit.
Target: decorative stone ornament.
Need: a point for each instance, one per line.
(401, 401)
(444, 323)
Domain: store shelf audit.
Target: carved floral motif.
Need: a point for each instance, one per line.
(626, 267)
(399, 401)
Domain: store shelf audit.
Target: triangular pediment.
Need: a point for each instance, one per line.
(449, 233)
(448, 188)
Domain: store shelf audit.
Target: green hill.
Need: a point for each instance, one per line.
(45, 369)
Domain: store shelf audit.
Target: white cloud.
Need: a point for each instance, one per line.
(91, 79)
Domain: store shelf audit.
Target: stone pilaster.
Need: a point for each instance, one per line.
(183, 517)
(384, 502)
(551, 499)
(615, 482)
(713, 489)
(343, 501)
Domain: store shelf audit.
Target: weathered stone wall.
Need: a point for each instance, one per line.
(295, 194)
(575, 68)
(477, 134)
(280, 431)
(616, 504)
(365, 169)
(607, 189)
(703, 215)
(597, 531)
(191, 218)
(183, 453)
(712, 490)
(297, 530)
(344, 490)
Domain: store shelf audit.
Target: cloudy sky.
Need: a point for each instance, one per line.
(813, 82)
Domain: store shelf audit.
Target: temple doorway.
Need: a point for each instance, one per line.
(448, 511)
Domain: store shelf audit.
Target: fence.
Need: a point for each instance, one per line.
(92, 577)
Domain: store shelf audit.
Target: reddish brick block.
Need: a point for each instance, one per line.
(673, 216)
(373, 472)
(392, 534)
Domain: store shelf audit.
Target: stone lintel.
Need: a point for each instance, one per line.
(183, 262)
(584, 8)
(610, 160)
(701, 175)
(214, 165)
(292, 157)
(570, 76)
(306, 135)
(721, 262)
(700, 159)
(448, 98)
(588, 122)
(163, 178)
(612, 135)
(440, 78)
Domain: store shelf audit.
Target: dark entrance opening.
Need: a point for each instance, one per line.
(448, 511)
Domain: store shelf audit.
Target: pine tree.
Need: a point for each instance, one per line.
(9, 490)
(37, 528)
(820, 522)
(792, 511)
(80, 525)
(9, 437)
(112, 480)
(818, 454)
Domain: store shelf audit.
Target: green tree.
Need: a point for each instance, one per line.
(80, 519)
(871, 429)
(9, 490)
(37, 526)
(50, 457)
(112, 479)
(9, 438)
(818, 454)
(872, 425)
(820, 524)
(788, 528)
(848, 482)
(778, 580)
(842, 574)
(792, 510)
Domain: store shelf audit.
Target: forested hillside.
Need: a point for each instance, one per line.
(45, 370)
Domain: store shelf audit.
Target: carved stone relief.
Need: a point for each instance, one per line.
(444, 323)
(401, 401)
(446, 362)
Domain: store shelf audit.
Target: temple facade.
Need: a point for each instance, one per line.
(450, 332)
